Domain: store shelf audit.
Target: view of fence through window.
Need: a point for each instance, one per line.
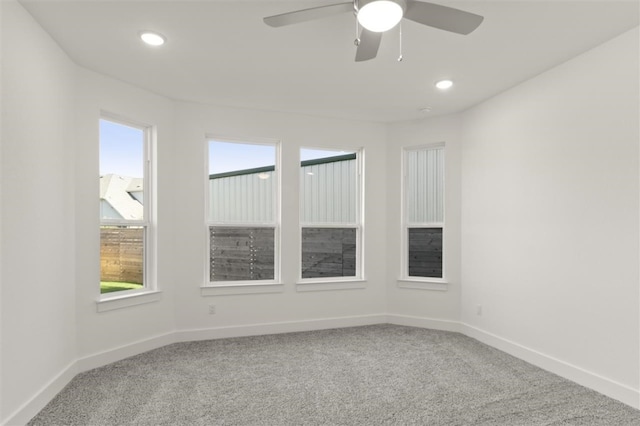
(425, 252)
(424, 203)
(122, 214)
(242, 219)
(242, 211)
(329, 213)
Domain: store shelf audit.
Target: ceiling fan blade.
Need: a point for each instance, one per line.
(442, 17)
(308, 14)
(369, 44)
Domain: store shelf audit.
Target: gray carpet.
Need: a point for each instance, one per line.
(374, 375)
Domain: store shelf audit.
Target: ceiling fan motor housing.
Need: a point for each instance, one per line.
(401, 3)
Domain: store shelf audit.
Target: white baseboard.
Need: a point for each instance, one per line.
(278, 327)
(432, 323)
(29, 409)
(612, 389)
(112, 355)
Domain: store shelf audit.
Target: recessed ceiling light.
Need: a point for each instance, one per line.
(425, 110)
(444, 84)
(151, 38)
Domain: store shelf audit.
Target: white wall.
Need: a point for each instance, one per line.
(193, 122)
(38, 293)
(550, 215)
(182, 240)
(440, 308)
(103, 331)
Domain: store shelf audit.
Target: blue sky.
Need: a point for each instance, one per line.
(122, 152)
(121, 149)
(229, 156)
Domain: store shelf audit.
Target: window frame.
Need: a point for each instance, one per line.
(410, 281)
(213, 288)
(149, 291)
(335, 283)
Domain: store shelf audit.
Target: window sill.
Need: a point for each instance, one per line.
(424, 284)
(243, 288)
(110, 303)
(326, 285)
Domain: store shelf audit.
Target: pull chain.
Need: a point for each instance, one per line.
(400, 28)
(355, 14)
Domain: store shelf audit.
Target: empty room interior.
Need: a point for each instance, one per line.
(264, 171)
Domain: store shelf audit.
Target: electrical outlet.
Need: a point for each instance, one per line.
(479, 310)
(212, 309)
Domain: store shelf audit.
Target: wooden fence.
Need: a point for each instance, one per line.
(246, 254)
(241, 254)
(425, 252)
(328, 252)
(122, 254)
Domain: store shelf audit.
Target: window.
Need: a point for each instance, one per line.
(125, 215)
(423, 226)
(330, 215)
(242, 212)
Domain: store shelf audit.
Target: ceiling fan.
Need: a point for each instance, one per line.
(378, 16)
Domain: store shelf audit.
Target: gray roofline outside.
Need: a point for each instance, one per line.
(265, 169)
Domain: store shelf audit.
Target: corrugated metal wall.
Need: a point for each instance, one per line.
(425, 185)
(329, 192)
(243, 198)
(329, 195)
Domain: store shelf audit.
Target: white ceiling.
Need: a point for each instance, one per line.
(221, 53)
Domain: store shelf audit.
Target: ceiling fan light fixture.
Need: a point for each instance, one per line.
(380, 15)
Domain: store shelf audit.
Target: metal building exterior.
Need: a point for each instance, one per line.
(247, 196)
(425, 186)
